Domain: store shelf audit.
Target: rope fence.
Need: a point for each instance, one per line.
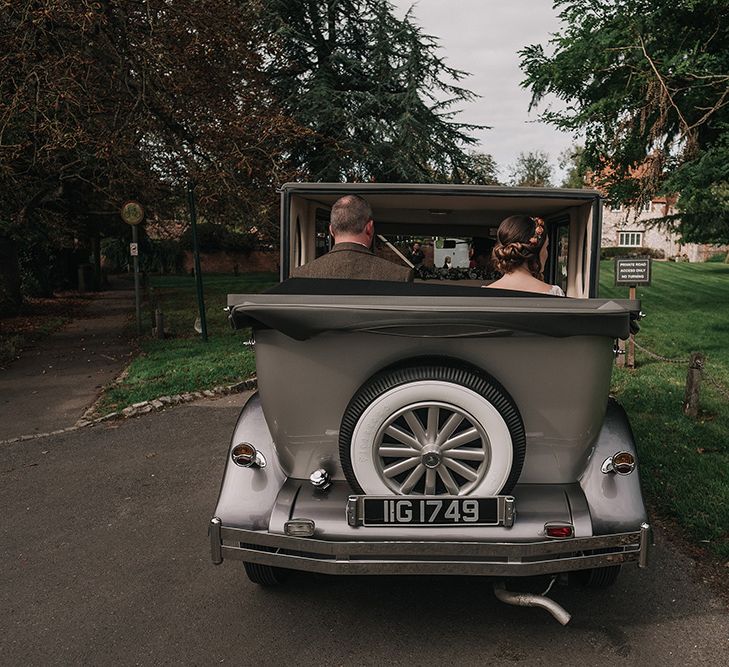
(681, 360)
(696, 363)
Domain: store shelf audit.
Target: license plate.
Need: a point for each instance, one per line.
(434, 511)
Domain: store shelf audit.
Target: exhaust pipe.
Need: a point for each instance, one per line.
(531, 600)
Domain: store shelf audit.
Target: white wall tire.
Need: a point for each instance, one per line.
(432, 429)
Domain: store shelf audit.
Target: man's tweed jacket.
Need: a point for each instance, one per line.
(354, 261)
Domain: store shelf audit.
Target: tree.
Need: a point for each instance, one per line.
(647, 82)
(571, 159)
(371, 87)
(483, 168)
(102, 102)
(532, 169)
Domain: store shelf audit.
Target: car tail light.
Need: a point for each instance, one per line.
(246, 455)
(622, 463)
(559, 530)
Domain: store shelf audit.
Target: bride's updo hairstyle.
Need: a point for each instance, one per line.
(518, 241)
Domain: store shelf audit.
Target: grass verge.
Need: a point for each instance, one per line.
(183, 362)
(684, 462)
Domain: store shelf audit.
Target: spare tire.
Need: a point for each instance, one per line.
(432, 427)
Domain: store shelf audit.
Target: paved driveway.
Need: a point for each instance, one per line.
(105, 561)
(54, 381)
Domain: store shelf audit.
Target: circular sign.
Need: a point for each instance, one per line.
(132, 212)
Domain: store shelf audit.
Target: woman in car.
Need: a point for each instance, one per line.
(520, 254)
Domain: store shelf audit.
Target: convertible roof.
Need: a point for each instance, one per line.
(434, 203)
(302, 308)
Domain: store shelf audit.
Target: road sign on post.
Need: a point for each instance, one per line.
(132, 213)
(633, 271)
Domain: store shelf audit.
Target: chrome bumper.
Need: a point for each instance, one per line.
(497, 559)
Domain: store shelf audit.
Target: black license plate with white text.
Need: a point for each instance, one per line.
(431, 511)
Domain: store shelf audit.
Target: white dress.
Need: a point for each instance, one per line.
(554, 290)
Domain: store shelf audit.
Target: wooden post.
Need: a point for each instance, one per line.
(693, 385)
(620, 359)
(82, 279)
(631, 341)
(159, 323)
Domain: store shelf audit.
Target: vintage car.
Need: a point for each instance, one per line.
(434, 427)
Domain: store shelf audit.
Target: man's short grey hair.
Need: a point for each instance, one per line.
(350, 214)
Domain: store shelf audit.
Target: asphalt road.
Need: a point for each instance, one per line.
(105, 561)
(54, 381)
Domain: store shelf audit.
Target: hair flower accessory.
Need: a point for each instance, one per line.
(538, 231)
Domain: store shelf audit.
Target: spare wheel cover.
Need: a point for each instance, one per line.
(432, 430)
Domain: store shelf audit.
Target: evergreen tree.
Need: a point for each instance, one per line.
(371, 87)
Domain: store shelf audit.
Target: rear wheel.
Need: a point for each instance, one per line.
(597, 577)
(265, 575)
(432, 427)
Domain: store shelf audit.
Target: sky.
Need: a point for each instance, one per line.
(482, 37)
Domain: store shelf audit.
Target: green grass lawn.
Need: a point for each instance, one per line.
(684, 462)
(182, 362)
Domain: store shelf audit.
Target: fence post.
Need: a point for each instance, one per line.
(693, 385)
(159, 323)
(631, 341)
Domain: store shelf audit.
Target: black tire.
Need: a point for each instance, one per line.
(438, 369)
(265, 575)
(597, 578)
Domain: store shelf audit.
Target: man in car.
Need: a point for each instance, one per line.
(416, 255)
(353, 230)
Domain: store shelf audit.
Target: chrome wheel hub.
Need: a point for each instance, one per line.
(431, 448)
(432, 457)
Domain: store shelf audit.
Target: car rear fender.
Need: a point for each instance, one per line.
(615, 501)
(248, 495)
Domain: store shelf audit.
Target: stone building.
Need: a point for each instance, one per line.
(627, 228)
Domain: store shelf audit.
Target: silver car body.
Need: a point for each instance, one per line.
(553, 356)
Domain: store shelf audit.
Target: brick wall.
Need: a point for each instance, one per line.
(234, 262)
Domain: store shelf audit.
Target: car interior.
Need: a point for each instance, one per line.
(444, 217)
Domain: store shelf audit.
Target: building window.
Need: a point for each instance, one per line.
(630, 239)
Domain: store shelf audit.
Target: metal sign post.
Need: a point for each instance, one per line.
(196, 258)
(132, 213)
(135, 259)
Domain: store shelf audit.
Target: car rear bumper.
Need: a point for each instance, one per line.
(497, 559)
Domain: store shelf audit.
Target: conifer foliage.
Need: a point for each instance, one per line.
(380, 100)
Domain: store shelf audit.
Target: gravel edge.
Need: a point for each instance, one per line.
(143, 408)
